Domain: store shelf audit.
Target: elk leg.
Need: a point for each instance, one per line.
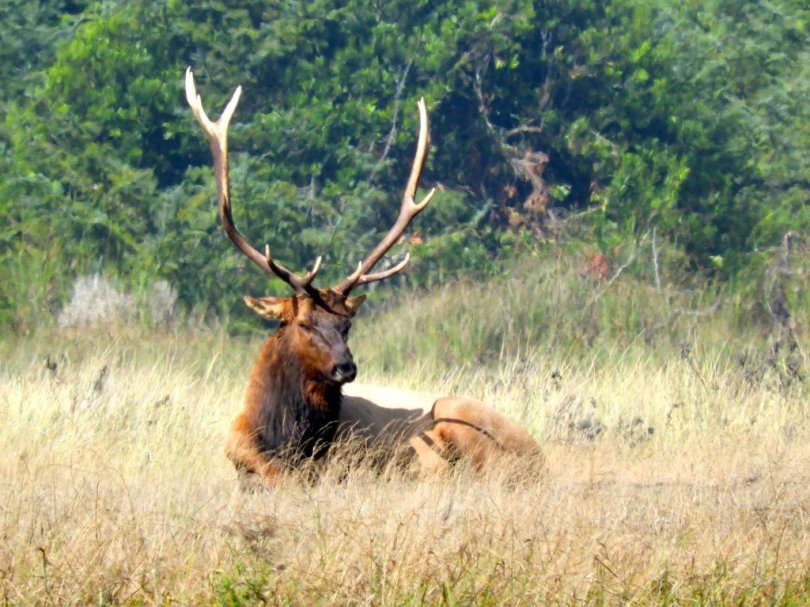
(242, 449)
(478, 433)
(431, 451)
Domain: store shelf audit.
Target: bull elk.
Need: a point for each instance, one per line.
(295, 403)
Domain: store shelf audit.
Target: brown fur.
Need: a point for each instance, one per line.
(292, 406)
(292, 403)
(468, 428)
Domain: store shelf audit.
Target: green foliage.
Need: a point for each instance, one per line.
(688, 120)
(248, 586)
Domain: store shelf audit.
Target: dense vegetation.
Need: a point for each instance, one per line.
(606, 122)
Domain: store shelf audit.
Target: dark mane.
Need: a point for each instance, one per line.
(298, 418)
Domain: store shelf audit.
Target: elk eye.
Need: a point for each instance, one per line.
(306, 327)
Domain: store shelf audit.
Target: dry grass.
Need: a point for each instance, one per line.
(676, 482)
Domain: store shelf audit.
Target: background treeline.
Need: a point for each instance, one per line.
(609, 122)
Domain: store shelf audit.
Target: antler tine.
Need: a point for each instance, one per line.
(287, 276)
(217, 133)
(367, 278)
(407, 212)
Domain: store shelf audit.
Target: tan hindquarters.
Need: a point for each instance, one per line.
(471, 430)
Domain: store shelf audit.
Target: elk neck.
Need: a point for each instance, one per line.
(293, 414)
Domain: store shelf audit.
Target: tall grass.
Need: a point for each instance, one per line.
(677, 444)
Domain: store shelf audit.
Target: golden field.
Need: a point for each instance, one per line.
(678, 472)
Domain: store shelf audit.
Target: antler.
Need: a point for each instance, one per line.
(217, 133)
(407, 212)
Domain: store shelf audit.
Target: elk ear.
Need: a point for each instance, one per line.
(353, 303)
(270, 308)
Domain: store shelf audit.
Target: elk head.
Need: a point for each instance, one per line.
(315, 322)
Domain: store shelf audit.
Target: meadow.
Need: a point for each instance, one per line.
(676, 424)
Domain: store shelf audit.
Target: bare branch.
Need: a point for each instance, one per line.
(655, 262)
(393, 132)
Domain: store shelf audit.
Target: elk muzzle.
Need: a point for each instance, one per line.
(344, 372)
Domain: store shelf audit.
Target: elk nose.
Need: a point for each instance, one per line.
(345, 372)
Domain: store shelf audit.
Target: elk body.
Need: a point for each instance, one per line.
(295, 406)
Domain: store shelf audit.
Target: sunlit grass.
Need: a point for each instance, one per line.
(678, 463)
